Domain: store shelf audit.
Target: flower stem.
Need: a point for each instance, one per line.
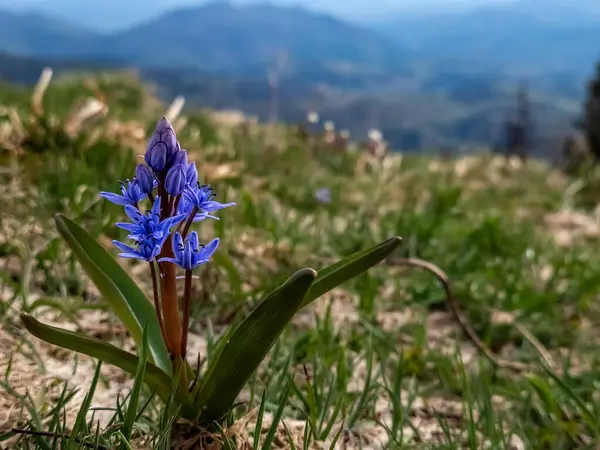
(176, 205)
(157, 304)
(187, 293)
(168, 282)
(164, 200)
(189, 222)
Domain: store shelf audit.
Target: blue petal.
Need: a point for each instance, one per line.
(171, 260)
(210, 206)
(133, 256)
(131, 227)
(134, 214)
(201, 216)
(178, 246)
(193, 239)
(156, 207)
(168, 223)
(115, 198)
(207, 252)
(123, 247)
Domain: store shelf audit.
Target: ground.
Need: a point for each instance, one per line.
(494, 346)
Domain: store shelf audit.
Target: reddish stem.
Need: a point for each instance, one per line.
(157, 304)
(189, 222)
(170, 302)
(176, 205)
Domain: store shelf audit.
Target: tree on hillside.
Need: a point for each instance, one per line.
(590, 122)
(518, 130)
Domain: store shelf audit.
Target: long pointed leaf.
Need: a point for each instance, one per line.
(348, 268)
(245, 349)
(154, 377)
(117, 288)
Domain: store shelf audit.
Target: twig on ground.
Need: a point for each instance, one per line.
(461, 319)
(55, 435)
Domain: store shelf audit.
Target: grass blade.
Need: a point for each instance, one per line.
(277, 417)
(131, 414)
(80, 420)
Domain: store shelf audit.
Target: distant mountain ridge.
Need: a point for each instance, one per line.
(36, 34)
(452, 83)
(217, 37)
(530, 37)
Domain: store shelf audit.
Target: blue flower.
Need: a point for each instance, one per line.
(163, 147)
(186, 207)
(147, 249)
(201, 197)
(149, 226)
(175, 181)
(323, 195)
(132, 194)
(145, 178)
(191, 254)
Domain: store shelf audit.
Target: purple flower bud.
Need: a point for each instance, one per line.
(180, 158)
(162, 147)
(191, 174)
(156, 157)
(175, 181)
(145, 178)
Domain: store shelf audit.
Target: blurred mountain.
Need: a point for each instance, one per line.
(218, 37)
(98, 15)
(38, 34)
(527, 37)
(436, 80)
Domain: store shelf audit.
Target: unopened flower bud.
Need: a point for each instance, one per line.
(145, 178)
(191, 174)
(162, 147)
(180, 158)
(175, 181)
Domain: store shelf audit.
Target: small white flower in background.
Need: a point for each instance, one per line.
(530, 253)
(344, 134)
(375, 135)
(329, 126)
(323, 195)
(312, 117)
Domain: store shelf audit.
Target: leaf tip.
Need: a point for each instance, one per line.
(25, 316)
(307, 272)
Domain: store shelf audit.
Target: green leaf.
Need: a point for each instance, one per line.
(117, 288)
(348, 268)
(245, 348)
(154, 377)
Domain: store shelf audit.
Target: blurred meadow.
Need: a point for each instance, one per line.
(480, 331)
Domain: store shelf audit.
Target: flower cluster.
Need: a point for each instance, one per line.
(176, 181)
(171, 185)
